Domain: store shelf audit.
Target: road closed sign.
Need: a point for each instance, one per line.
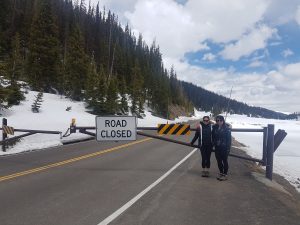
(116, 128)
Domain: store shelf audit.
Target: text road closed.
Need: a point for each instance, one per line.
(116, 128)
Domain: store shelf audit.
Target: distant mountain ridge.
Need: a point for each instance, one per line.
(210, 101)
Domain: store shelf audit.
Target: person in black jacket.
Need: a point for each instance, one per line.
(221, 136)
(204, 136)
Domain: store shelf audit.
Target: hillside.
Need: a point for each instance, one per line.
(80, 51)
(210, 101)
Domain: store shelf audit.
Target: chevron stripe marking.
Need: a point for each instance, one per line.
(184, 129)
(164, 128)
(175, 126)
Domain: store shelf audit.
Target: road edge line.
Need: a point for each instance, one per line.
(123, 208)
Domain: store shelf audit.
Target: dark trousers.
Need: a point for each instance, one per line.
(222, 159)
(205, 154)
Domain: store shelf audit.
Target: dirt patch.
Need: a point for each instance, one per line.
(176, 111)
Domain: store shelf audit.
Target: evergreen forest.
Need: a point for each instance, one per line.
(73, 49)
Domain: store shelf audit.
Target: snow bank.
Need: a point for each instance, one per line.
(286, 157)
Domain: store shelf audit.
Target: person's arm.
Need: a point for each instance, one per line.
(213, 136)
(197, 135)
(228, 137)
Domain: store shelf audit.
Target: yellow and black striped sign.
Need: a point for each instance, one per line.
(8, 130)
(178, 129)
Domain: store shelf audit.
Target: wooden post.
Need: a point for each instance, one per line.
(270, 151)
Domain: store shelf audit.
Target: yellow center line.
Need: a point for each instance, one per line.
(38, 169)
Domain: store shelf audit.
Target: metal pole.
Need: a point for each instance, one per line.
(4, 135)
(270, 151)
(16, 138)
(194, 129)
(265, 137)
(194, 146)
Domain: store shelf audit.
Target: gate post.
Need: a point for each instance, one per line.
(265, 139)
(270, 151)
(4, 135)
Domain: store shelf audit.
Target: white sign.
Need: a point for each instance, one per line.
(116, 128)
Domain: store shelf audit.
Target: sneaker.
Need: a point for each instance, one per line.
(207, 173)
(219, 177)
(224, 177)
(203, 173)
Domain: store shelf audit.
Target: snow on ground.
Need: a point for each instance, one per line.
(53, 116)
(286, 157)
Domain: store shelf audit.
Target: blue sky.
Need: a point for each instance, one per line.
(283, 49)
(250, 45)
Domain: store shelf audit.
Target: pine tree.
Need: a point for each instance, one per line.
(12, 69)
(35, 107)
(91, 84)
(43, 60)
(112, 102)
(137, 96)
(76, 65)
(101, 92)
(5, 11)
(4, 93)
(123, 102)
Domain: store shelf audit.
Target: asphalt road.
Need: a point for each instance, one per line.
(86, 183)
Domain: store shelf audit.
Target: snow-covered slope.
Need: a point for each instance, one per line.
(53, 116)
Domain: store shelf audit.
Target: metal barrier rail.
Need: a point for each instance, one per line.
(270, 141)
(37, 131)
(194, 129)
(5, 140)
(195, 146)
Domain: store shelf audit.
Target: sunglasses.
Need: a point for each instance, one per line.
(219, 120)
(205, 120)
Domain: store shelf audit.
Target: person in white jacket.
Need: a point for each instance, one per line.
(204, 136)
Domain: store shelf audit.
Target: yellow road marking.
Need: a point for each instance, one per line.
(38, 169)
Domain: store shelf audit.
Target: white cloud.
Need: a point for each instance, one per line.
(118, 7)
(209, 57)
(223, 21)
(275, 43)
(280, 12)
(256, 39)
(292, 70)
(184, 28)
(168, 23)
(255, 64)
(297, 17)
(287, 52)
